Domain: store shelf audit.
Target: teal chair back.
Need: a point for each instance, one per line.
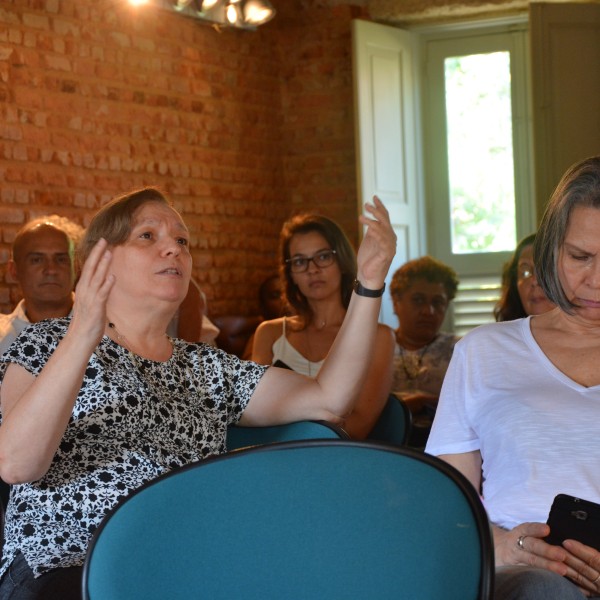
(394, 424)
(298, 520)
(243, 437)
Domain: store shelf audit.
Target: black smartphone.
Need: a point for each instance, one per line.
(574, 519)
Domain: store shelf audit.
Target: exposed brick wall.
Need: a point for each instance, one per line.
(317, 100)
(241, 129)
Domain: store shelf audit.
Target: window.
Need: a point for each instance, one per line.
(480, 153)
(478, 165)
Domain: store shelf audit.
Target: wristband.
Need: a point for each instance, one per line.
(363, 291)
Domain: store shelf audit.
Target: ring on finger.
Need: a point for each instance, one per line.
(522, 546)
(597, 578)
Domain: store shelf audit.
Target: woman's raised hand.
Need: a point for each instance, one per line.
(378, 246)
(91, 294)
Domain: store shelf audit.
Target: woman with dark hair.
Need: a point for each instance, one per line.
(520, 405)
(318, 267)
(97, 404)
(521, 293)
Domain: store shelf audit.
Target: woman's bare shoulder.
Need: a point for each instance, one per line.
(271, 325)
(385, 332)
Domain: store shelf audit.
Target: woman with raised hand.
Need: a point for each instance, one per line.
(318, 269)
(96, 405)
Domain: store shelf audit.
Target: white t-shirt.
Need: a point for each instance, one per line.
(537, 430)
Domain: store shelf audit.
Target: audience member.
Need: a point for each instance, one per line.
(190, 322)
(520, 405)
(421, 291)
(271, 302)
(270, 298)
(95, 405)
(521, 292)
(42, 262)
(318, 266)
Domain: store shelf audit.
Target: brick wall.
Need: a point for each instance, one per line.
(241, 129)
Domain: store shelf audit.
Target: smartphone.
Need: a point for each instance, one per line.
(574, 519)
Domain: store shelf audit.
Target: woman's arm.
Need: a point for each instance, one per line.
(469, 464)
(376, 389)
(283, 396)
(36, 410)
(533, 551)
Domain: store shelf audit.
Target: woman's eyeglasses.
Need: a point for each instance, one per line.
(299, 264)
(524, 272)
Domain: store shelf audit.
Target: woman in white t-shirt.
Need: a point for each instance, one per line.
(520, 406)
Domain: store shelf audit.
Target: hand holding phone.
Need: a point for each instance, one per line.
(575, 519)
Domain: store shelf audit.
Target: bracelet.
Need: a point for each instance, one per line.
(363, 291)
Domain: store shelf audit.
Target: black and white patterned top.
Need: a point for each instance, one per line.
(133, 420)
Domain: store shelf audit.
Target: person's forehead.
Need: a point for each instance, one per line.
(425, 287)
(154, 213)
(312, 240)
(43, 239)
(526, 254)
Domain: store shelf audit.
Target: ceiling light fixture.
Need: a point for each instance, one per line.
(241, 14)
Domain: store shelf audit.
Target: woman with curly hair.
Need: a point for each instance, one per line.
(421, 291)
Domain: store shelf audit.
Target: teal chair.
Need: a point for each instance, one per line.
(243, 437)
(394, 424)
(317, 519)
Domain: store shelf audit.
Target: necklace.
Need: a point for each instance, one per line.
(412, 362)
(309, 347)
(123, 341)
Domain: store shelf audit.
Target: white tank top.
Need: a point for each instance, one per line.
(285, 355)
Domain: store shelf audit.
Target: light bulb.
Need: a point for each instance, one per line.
(257, 12)
(232, 14)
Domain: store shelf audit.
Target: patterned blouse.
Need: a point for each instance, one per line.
(423, 370)
(133, 420)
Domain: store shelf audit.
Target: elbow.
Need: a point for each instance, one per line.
(13, 473)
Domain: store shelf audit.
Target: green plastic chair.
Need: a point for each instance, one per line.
(318, 519)
(244, 437)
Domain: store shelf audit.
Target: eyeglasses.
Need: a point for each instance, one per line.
(524, 273)
(323, 258)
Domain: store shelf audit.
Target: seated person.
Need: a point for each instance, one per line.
(319, 267)
(421, 290)
(521, 293)
(190, 322)
(97, 404)
(520, 405)
(43, 263)
(270, 301)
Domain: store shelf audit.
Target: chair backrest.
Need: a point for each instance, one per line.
(394, 424)
(297, 520)
(235, 331)
(243, 437)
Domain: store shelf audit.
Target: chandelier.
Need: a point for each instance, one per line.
(243, 14)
